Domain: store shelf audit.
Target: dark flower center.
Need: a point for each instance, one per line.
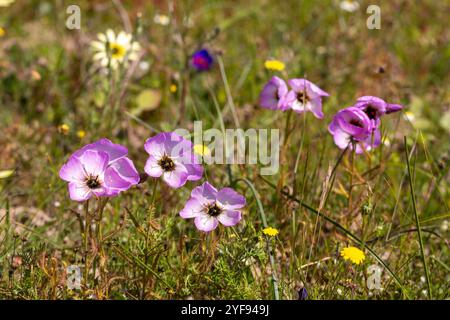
(356, 123)
(302, 97)
(92, 182)
(166, 163)
(371, 112)
(114, 50)
(213, 209)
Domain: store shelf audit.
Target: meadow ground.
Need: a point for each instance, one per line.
(392, 202)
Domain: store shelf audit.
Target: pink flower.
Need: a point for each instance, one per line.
(305, 96)
(351, 127)
(209, 207)
(273, 95)
(101, 169)
(376, 107)
(172, 157)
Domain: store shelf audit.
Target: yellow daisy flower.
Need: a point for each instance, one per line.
(173, 88)
(121, 49)
(273, 64)
(2, 32)
(201, 150)
(269, 231)
(353, 254)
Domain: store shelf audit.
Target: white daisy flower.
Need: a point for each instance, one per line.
(122, 48)
(349, 5)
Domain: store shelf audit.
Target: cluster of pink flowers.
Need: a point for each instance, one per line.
(102, 169)
(355, 127)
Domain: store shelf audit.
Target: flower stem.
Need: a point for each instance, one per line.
(352, 170)
(416, 216)
(86, 243)
(147, 237)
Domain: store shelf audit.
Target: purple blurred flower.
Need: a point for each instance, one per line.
(351, 127)
(202, 60)
(273, 95)
(101, 169)
(305, 96)
(209, 207)
(173, 158)
(302, 294)
(376, 107)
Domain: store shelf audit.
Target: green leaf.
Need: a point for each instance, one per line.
(147, 100)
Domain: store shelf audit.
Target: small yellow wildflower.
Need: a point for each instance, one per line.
(201, 150)
(269, 231)
(2, 32)
(276, 65)
(353, 254)
(64, 129)
(173, 88)
(81, 134)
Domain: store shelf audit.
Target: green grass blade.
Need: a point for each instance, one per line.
(416, 216)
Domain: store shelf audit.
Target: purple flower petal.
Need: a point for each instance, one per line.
(94, 162)
(206, 223)
(273, 93)
(192, 209)
(176, 178)
(316, 107)
(205, 193)
(79, 192)
(114, 151)
(298, 85)
(195, 171)
(341, 139)
(152, 168)
(229, 218)
(303, 85)
(115, 181)
(390, 108)
(354, 122)
(126, 169)
(177, 146)
(317, 90)
(72, 171)
(155, 145)
(230, 199)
